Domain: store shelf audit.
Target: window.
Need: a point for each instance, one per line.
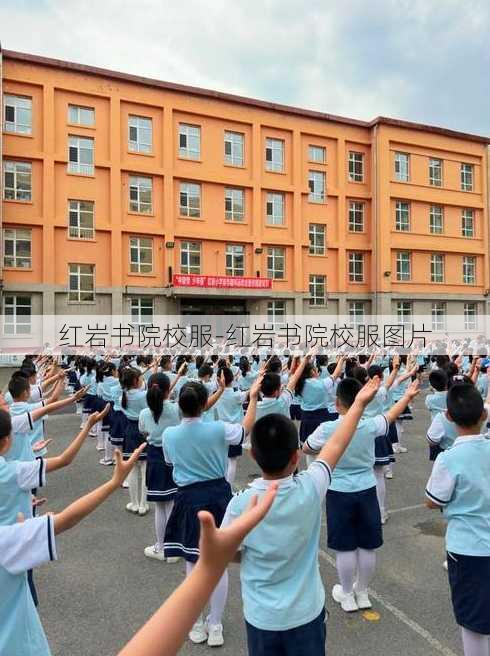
(356, 216)
(190, 257)
(436, 220)
(356, 167)
(140, 194)
(17, 315)
(189, 141)
(17, 179)
(81, 219)
(469, 269)
(470, 316)
(438, 316)
(318, 290)
(274, 209)
(80, 155)
(81, 115)
(142, 311)
(274, 155)
(466, 177)
(17, 248)
(356, 313)
(234, 148)
(467, 223)
(235, 260)
(190, 199)
(435, 172)
(141, 255)
(356, 267)
(404, 313)
(436, 268)
(17, 112)
(81, 283)
(317, 181)
(317, 154)
(402, 167)
(276, 310)
(234, 204)
(402, 216)
(316, 233)
(140, 134)
(403, 266)
(276, 263)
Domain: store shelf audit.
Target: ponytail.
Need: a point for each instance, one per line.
(158, 390)
(129, 378)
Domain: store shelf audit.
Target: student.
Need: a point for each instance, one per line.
(31, 543)
(275, 401)
(105, 391)
(247, 376)
(436, 402)
(153, 420)
(229, 408)
(459, 485)
(353, 513)
(282, 590)
(198, 451)
(88, 378)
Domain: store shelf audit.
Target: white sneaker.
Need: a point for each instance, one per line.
(199, 632)
(389, 474)
(172, 560)
(151, 552)
(398, 448)
(384, 517)
(132, 507)
(444, 564)
(100, 448)
(106, 461)
(125, 485)
(215, 635)
(362, 599)
(347, 601)
(143, 510)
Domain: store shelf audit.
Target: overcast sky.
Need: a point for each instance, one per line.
(421, 60)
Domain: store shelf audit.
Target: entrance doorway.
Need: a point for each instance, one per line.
(217, 306)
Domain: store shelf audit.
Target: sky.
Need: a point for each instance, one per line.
(420, 60)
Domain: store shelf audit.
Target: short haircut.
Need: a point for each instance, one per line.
(5, 424)
(375, 370)
(438, 379)
(464, 405)
(205, 370)
(18, 385)
(347, 391)
(274, 440)
(360, 374)
(271, 383)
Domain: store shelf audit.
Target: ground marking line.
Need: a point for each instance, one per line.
(406, 508)
(400, 615)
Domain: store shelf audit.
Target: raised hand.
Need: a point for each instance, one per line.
(368, 392)
(123, 467)
(95, 417)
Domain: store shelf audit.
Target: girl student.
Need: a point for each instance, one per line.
(408, 369)
(247, 376)
(110, 380)
(230, 409)
(198, 451)
(88, 378)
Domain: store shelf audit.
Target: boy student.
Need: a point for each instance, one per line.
(459, 484)
(31, 543)
(353, 513)
(279, 568)
(436, 402)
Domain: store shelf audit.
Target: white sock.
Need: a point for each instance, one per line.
(380, 487)
(475, 644)
(144, 491)
(100, 435)
(231, 471)
(346, 562)
(366, 561)
(132, 480)
(399, 431)
(108, 446)
(217, 601)
(163, 510)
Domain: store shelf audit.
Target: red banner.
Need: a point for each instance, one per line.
(220, 282)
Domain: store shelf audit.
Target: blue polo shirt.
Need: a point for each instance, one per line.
(154, 430)
(135, 403)
(230, 406)
(436, 402)
(315, 393)
(17, 479)
(277, 405)
(23, 440)
(442, 432)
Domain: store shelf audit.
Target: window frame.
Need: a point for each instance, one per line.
(401, 275)
(188, 189)
(352, 213)
(77, 211)
(314, 234)
(272, 199)
(138, 185)
(467, 176)
(231, 159)
(400, 218)
(77, 167)
(322, 149)
(189, 152)
(79, 121)
(315, 196)
(402, 314)
(15, 240)
(231, 254)
(356, 318)
(467, 314)
(137, 318)
(15, 164)
(437, 268)
(355, 264)
(402, 173)
(435, 181)
(317, 281)
(464, 218)
(190, 252)
(138, 145)
(15, 123)
(138, 266)
(79, 291)
(469, 261)
(274, 164)
(276, 254)
(353, 164)
(439, 215)
(14, 306)
(436, 308)
(231, 212)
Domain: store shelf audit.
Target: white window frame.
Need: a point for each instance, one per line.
(317, 185)
(138, 305)
(356, 216)
(80, 115)
(274, 155)
(404, 313)
(436, 220)
(469, 270)
(435, 172)
(80, 145)
(402, 216)
(189, 249)
(468, 223)
(356, 166)
(439, 315)
(317, 154)
(276, 263)
(235, 143)
(467, 176)
(437, 267)
(75, 211)
(234, 204)
(402, 167)
(190, 199)
(15, 192)
(318, 290)
(189, 141)
(275, 204)
(16, 236)
(21, 106)
(276, 311)
(11, 305)
(140, 188)
(235, 260)
(357, 313)
(356, 266)
(138, 247)
(470, 313)
(141, 129)
(75, 294)
(403, 273)
(317, 236)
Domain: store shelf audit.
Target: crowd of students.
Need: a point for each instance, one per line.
(174, 429)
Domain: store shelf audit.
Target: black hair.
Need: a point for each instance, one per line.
(452, 369)
(18, 385)
(274, 440)
(438, 379)
(363, 358)
(275, 365)
(270, 384)
(442, 361)
(110, 369)
(128, 379)
(166, 362)
(5, 424)
(100, 372)
(200, 360)
(157, 393)
(347, 391)
(205, 370)
(179, 362)
(331, 367)
(244, 365)
(321, 361)
(227, 374)
(192, 399)
(360, 374)
(375, 370)
(28, 369)
(464, 405)
(305, 374)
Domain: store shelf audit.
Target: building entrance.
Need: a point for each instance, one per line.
(209, 306)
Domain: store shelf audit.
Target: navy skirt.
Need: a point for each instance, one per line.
(107, 421)
(470, 592)
(90, 403)
(392, 434)
(383, 450)
(159, 479)
(132, 439)
(406, 415)
(182, 534)
(295, 412)
(434, 451)
(310, 420)
(118, 426)
(235, 450)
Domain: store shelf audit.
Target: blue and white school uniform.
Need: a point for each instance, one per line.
(211, 386)
(482, 385)
(90, 403)
(24, 440)
(198, 451)
(314, 405)
(159, 480)
(17, 480)
(23, 547)
(459, 485)
(397, 391)
(353, 515)
(118, 421)
(106, 394)
(245, 382)
(383, 449)
(136, 402)
(436, 402)
(275, 404)
(229, 408)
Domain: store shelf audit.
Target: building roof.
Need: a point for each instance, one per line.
(233, 98)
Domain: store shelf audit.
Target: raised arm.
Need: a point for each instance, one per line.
(249, 419)
(394, 372)
(395, 411)
(294, 377)
(338, 369)
(56, 405)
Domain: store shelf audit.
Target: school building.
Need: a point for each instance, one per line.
(128, 195)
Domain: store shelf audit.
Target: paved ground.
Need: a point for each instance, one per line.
(103, 588)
